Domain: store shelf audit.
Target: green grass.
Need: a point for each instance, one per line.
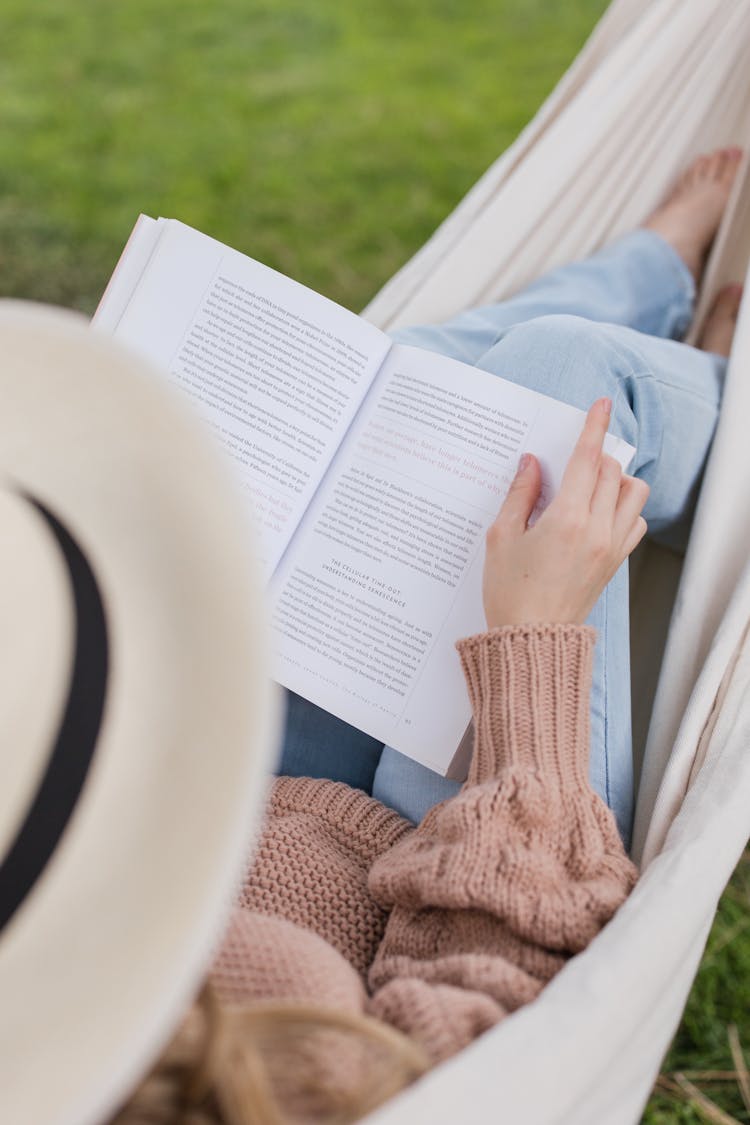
(327, 139)
(720, 997)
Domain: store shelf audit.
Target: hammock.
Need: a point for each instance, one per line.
(658, 82)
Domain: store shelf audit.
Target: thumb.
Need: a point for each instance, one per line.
(523, 493)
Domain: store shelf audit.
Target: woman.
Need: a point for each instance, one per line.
(440, 931)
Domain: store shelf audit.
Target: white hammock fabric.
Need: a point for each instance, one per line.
(658, 82)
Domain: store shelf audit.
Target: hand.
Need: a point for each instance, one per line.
(554, 571)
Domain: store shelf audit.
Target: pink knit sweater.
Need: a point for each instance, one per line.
(444, 929)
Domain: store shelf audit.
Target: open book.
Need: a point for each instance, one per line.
(374, 470)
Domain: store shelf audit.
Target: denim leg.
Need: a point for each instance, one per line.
(638, 281)
(317, 744)
(665, 402)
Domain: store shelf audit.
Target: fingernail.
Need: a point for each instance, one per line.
(523, 464)
(606, 405)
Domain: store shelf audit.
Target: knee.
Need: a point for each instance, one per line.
(567, 357)
(572, 338)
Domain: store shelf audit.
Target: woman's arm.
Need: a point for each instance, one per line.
(500, 885)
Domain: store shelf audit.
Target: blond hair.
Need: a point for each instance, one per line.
(268, 1065)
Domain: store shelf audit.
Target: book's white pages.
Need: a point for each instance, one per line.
(141, 244)
(276, 369)
(374, 470)
(385, 571)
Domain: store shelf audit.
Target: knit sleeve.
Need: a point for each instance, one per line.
(500, 885)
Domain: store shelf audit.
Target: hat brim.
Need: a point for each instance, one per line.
(99, 961)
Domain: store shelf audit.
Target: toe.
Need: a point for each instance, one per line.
(731, 162)
(715, 165)
(701, 168)
(691, 172)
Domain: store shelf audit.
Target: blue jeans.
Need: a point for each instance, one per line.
(609, 325)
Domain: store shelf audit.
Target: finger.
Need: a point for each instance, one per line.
(522, 495)
(638, 530)
(633, 496)
(607, 492)
(582, 471)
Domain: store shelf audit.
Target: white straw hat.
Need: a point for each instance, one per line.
(136, 717)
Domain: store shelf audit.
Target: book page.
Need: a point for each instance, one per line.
(277, 370)
(143, 240)
(385, 573)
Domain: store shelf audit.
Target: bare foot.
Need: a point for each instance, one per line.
(718, 331)
(690, 217)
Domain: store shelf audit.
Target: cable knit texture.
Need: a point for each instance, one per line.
(458, 922)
